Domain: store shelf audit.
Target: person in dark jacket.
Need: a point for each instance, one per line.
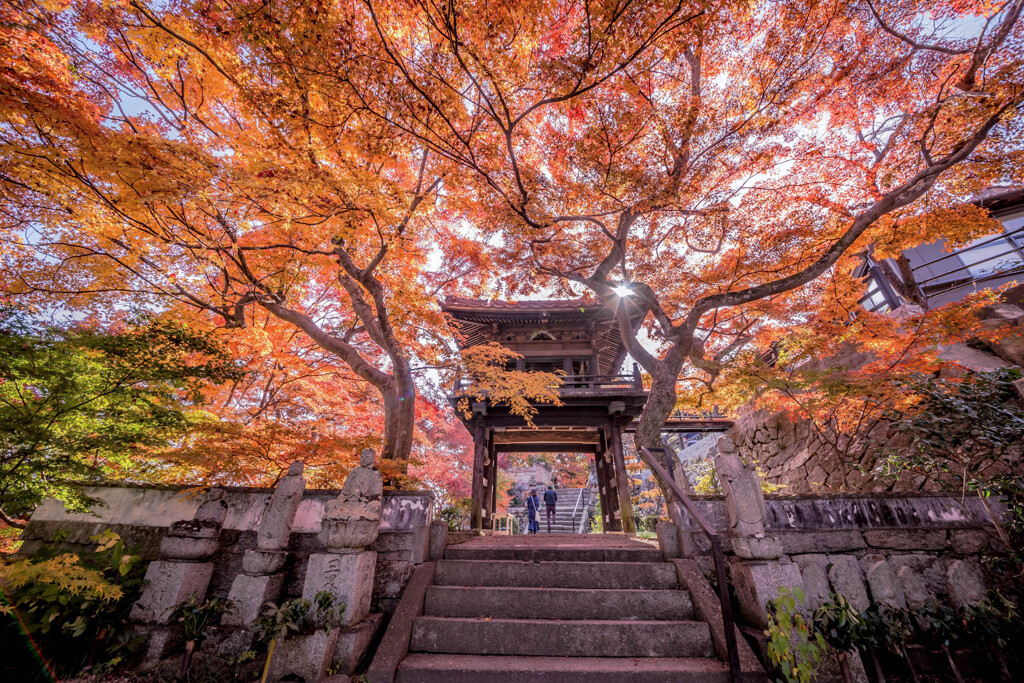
(532, 507)
(550, 498)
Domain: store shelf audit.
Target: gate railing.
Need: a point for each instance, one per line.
(716, 550)
(601, 383)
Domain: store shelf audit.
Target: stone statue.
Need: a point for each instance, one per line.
(197, 538)
(276, 525)
(213, 509)
(361, 495)
(745, 502)
(277, 519)
(351, 521)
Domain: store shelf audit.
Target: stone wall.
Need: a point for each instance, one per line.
(874, 548)
(142, 515)
(791, 454)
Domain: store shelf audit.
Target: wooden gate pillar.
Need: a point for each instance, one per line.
(479, 455)
(492, 483)
(602, 487)
(611, 485)
(622, 479)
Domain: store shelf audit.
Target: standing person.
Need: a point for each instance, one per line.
(550, 498)
(532, 507)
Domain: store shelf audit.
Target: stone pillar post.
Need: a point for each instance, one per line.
(185, 571)
(350, 524)
(602, 488)
(745, 502)
(492, 483)
(261, 578)
(760, 570)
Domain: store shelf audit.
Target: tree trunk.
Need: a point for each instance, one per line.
(1002, 663)
(995, 522)
(660, 403)
(910, 664)
(879, 674)
(952, 665)
(11, 521)
(399, 417)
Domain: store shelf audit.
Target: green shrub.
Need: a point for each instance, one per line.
(69, 612)
(794, 647)
(195, 616)
(457, 514)
(294, 616)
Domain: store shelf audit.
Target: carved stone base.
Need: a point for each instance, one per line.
(188, 549)
(228, 641)
(354, 641)
(756, 583)
(767, 548)
(307, 656)
(250, 594)
(310, 655)
(160, 641)
(167, 584)
(347, 576)
(348, 534)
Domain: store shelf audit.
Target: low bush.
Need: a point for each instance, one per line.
(64, 613)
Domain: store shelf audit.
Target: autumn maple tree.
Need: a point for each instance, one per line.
(723, 165)
(84, 405)
(292, 401)
(335, 167)
(216, 162)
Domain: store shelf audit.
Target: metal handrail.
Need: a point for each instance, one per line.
(1010, 237)
(577, 528)
(575, 508)
(716, 550)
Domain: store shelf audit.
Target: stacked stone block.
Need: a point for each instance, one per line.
(183, 571)
(262, 575)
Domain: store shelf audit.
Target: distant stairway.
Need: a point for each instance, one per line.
(570, 511)
(545, 609)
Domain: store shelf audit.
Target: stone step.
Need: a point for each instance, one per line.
(553, 553)
(431, 668)
(621, 575)
(578, 638)
(558, 603)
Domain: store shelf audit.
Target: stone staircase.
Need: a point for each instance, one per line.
(549, 608)
(571, 508)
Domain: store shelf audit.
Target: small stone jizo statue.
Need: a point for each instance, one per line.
(744, 500)
(213, 509)
(352, 520)
(276, 523)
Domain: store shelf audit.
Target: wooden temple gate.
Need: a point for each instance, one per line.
(598, 402)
